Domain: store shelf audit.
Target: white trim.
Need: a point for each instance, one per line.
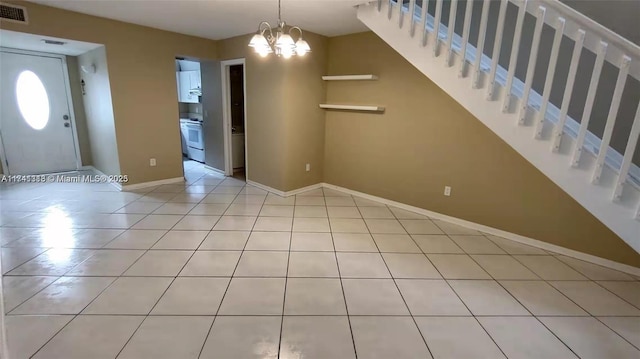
(226, 114)
(267, 188)
(72, 113)
(461, 222)
(352, 107)
(67, 85)
(498, 232)
(282, 193)
(100, 173)
(303, 189)
(350, 78)
(214, 170)
(130, 187)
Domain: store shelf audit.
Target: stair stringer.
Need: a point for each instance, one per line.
(576, 181)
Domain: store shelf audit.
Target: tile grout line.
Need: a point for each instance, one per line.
(344, 296)
(164, 292)
(415, 323)
(523, 306)
(589, 314)
(450, 287)
(335, 254)
(286, 280)
(76, 315)
(228, 284)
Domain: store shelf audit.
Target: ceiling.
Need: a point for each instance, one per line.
(22, 41)
(221, 19)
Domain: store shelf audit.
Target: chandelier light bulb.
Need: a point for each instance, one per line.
(258, 40)
(302, 47)
(285, 41)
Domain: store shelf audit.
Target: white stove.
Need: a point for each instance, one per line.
(192, 139)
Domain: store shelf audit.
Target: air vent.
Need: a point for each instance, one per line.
(13, 13)
(53, 42)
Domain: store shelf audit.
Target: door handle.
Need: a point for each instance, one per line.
(65, 117)
(66, 124)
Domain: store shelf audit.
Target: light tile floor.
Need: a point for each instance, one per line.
(217, 269)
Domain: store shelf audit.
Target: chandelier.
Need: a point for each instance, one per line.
(264, 42)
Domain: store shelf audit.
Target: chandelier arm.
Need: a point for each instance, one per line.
(263, 28)
(295, 28)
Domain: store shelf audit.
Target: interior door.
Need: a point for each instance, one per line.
(35, 122)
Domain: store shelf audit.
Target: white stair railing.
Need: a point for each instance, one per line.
(502, 84)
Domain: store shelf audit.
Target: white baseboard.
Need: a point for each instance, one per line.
(282, 193)
(215, 170)
(498, 232)
(461, 222)
(130, 187)
(100, 173)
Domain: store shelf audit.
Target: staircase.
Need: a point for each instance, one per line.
(501, 92)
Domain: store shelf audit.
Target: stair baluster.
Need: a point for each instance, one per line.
(423, 18)
(451, 27)
(513, 58)
(496, 50)
(400, 6)
(588, 107)
(548, 82)
(628, 156)
(436, 27)
(611, 118)
(568, 90)
(465, 37)
(480, 44)
(531, 66)
(412, 11)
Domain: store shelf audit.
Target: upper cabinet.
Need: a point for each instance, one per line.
(189, 86)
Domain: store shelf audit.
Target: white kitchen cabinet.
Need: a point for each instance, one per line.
(195, 79)
(188, 80)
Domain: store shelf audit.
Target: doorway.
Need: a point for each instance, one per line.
(36, 119)
(234, 113)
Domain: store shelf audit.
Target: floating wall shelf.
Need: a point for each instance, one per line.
(352, 107)
(350, 78)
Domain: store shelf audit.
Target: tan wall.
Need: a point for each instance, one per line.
(425, 140)
(78, 110)
(143, 83)
(284, 124)
(304, 130)
(99, 112)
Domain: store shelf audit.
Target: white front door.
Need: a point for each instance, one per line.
(35, 122)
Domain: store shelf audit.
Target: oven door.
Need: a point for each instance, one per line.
(194, 136)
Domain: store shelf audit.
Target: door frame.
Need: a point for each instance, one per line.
(226, 114)
(72, 114)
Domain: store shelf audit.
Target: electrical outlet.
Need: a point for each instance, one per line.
(307, 167)
(152, 162)
(447, 191)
